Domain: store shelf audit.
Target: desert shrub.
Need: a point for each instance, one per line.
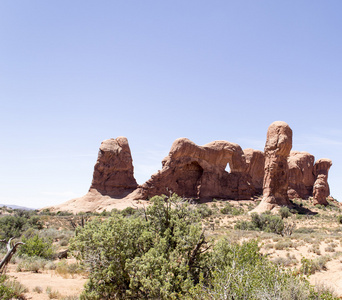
(128, 211)
(339, 219)
(68, 270)
(204, 211)
(36, 246)
(64, 213)
(240, 272)
(315, 249)
(12, 226)
(310, 266)
(37, 289)
(320, 206)
(284, 212)
(159, 255)
(32, 264)
(244, 225)
(11, 289)
(285, 261)
(284, 244)
(305, 230)
(229, 209)
(6, 292)
(52, 294)
(265, 222)
(63, 242)
(329, 248)
(162, 254)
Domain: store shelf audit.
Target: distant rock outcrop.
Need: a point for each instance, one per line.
(113, 171)
(321, 187)
(301, 174)
(202, 172)
(277, 149)
(194, 171)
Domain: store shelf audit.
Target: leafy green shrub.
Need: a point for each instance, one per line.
(6, 292)
(229, 209)
(36, 246)
(281, 245)
(128, 211)
(284, 212)
(159, 255)
(264, 222)
(241, 272)
(310, 266)
(244, 225)
(11, 289)
(204, 210)
(12, 226)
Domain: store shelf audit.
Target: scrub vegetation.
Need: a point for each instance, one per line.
(175, 249)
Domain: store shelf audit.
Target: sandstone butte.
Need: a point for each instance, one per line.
(192, 171)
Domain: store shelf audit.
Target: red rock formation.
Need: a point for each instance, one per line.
(194, 171)
(301, 174)
(255, 161)
(321, 187)
(113, 171)
(277, 149)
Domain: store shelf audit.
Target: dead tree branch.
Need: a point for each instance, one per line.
(10, 251)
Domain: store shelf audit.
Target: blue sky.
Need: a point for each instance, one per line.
(73, 73)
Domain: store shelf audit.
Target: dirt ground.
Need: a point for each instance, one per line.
(40, 283)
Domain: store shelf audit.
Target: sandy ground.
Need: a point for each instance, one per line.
(47, 278)
(331, 278)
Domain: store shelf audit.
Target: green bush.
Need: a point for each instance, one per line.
(36, 246)
(229, 209)
(128, 211)
(310, 266)
(12, 226)
(162, 254)
(204, 210)
(284, 212)
(11, 289)
(5, 291)
(264, 222)
(241, 272)
(159, 255)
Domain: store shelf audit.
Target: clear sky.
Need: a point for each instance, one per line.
(73, 73)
